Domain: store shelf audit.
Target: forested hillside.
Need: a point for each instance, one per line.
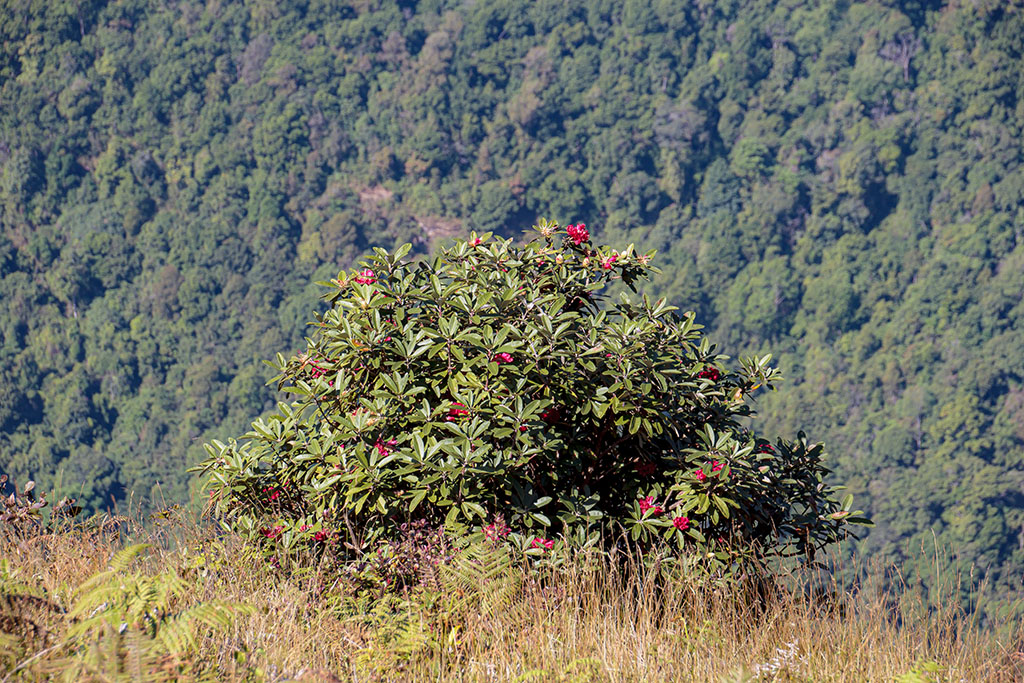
(839, 183)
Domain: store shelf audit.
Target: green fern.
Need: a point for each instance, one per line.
(130, 623)
(397, 634)
(483, 577)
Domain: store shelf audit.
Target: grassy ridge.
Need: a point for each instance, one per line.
(195, 606)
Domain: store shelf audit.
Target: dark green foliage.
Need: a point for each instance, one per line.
(172, 176)
(492, 386)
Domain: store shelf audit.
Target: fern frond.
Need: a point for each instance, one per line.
(123, 558)
(483, 575)
(175, 636)
(10, 650)
(217, 615)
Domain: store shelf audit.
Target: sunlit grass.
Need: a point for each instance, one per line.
(590, 621)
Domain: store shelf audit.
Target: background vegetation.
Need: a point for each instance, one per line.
(839, 182)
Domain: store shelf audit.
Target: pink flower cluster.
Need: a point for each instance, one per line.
(497, 530)
(715, 467)
(501, 358)
(578, 233)
(272, 533)
(385, 447)
(681, 523)
(317, 369)
(542, 543)
(272, 493)
(608, 262)
(365, 277)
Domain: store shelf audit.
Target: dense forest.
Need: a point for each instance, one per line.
(838, 183)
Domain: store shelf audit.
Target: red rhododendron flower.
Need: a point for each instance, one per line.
(700, 475)
(272, 533)
(551, 415)
(578, 233)
(384, 448)
(475, 242)
(503, 358)
(645, 468)
(609, 262)
(321, 536)
(648, 504)
(543, 543)
(681, 523)
(709, 372)
(716, 466)
(365, 277)
(457, 410)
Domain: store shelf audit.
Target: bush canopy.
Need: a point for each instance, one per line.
(494, 390)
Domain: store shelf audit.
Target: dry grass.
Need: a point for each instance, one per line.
(597, 624)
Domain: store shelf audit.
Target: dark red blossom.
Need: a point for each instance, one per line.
(551, 415)
(681, 523)
(272, 533)
(645, 468)
(501, 358)
(710, 372)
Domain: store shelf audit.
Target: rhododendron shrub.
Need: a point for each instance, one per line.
(493, 389)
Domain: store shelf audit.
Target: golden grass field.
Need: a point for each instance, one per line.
(194, 606)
